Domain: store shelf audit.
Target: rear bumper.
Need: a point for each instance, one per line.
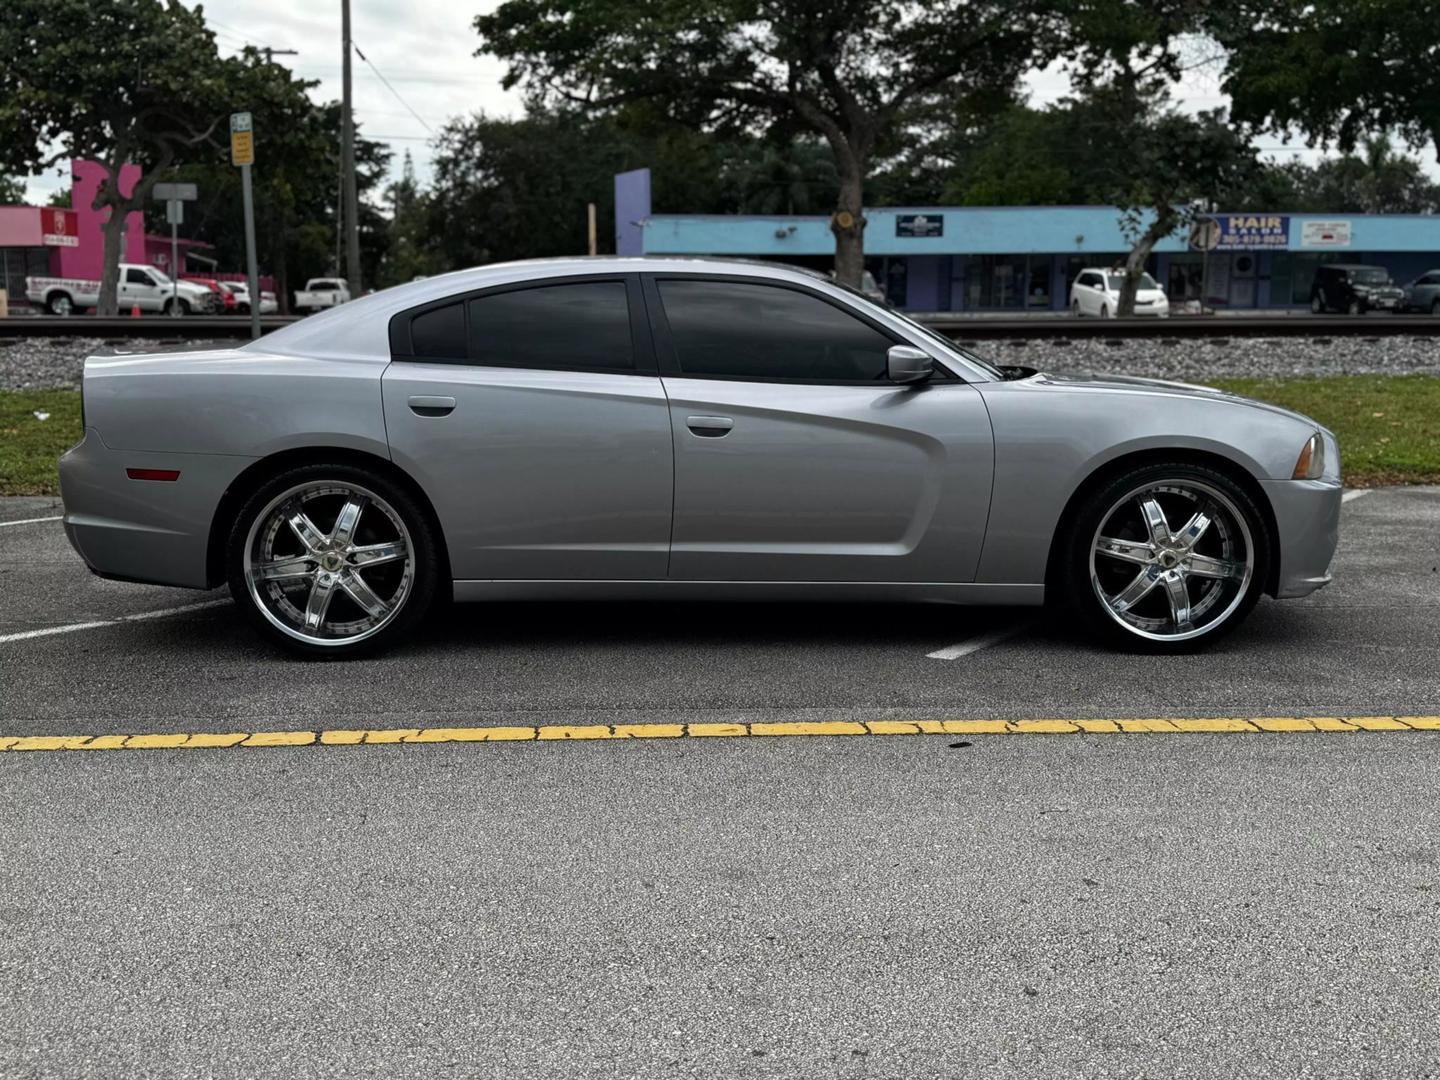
(157, 532)
(1307, 518)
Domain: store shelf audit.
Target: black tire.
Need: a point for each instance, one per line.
(1075, 309)
(1355, 307)
(1317, 304)
(1435, 308)
(1079, 591)
(1104, 311)
(424, 567)
(176, 307)
(61, 304)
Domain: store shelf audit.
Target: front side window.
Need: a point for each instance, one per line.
(739, 330)
(137, 277)
(576, 326)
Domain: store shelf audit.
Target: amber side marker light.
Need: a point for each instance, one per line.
(1311, 465)
(153, 474)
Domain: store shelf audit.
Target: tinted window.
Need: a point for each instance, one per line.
(584, 325)
(741, 331)
(439, 334)
(138, 277)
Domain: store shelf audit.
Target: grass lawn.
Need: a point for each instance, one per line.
(1389, 427)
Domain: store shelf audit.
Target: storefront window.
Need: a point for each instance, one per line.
(18, 263)
(1186, 278)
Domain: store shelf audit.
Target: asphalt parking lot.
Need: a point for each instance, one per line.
(1146, 905)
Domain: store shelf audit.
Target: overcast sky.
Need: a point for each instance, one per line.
(425, 49)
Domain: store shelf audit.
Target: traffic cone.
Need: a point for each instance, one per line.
(135, 311)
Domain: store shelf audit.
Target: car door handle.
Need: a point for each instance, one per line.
(709, 427)
(425, 405)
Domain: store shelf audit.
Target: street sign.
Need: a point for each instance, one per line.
(166, 192)
(1205, 235)
(242, 139)
(175, 212)
(919, 225)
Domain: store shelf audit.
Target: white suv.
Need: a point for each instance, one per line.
(1097, 292)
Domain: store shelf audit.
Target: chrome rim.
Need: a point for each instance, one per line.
(1169, 583)
(329, 563)
(62, 305)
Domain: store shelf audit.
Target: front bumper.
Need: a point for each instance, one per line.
(1307, 520)
(143, 530)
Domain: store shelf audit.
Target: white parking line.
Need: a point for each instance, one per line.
(1354, 493)
(72, 627)
(30, 521)
(975, 644)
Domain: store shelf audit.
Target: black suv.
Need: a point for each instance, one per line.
(1354, 289)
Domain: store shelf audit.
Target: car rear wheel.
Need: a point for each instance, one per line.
(332, 561)
(1075, 308)
(1317, 305)
(1354, 308)
(1104, 311)
(61, 304)
(1435, 308)
(1166, 558)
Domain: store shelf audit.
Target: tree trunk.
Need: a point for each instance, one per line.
(1135, 263)
(848, 222)
(114, 233)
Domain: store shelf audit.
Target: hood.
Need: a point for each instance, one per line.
(1136, 384)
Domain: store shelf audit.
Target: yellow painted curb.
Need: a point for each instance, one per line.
(790, 729)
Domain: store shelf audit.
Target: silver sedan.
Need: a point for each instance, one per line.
(679, 428)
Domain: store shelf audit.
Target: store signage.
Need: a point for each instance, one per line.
(1251, 232)
(919, 225)
(1325, 234)
(58, 228)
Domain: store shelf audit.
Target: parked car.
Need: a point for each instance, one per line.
(219, 299)
(147, 287)
(1354, 289)
(239, 293)
(1097, 292)
(1423, 294)
(320, 293)
(614, 428)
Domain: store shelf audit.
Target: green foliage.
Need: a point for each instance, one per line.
(12, 190)
(1335, 70)
(851, 73)
(1377, 181)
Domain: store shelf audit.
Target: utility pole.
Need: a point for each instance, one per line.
(347, 163)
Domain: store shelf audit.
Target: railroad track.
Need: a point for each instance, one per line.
(960, 328)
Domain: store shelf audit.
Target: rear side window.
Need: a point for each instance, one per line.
(439, 334)
(582, 326)
(738, 330)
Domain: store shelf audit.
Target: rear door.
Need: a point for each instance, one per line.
(796, 459)
(534, 418)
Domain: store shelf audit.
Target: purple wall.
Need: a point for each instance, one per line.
(86, 260)
(632, 210)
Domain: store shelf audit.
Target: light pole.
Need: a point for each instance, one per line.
(347, 161)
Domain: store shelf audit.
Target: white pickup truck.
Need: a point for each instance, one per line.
(322, 293)
(145, 287)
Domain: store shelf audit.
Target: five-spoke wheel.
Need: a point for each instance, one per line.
(329, 559)
(1167, 556)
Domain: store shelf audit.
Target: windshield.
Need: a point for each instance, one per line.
(1370, 276)
(161, 278)
(1117, 282)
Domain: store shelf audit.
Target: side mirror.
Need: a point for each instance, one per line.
(907, 364)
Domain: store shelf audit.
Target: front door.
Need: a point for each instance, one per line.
(796, 459)
(534, 420)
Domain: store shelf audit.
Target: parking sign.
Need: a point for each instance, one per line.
(242, 139)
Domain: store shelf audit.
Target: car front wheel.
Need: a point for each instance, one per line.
(332, 561)
(1165, 558)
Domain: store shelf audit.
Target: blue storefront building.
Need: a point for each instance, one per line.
(1019, 259)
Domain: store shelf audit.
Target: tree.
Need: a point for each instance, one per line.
(12, 190)
(121, 81)
(1126, 57)
(408, 253)
(1335, 70)
(848, 71)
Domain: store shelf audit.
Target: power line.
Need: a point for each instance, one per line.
(392, 89)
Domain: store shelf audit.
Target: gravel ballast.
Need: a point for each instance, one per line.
(48, 363)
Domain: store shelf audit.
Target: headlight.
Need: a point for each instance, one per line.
(1311, 464)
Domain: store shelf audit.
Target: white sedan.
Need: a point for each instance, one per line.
(1097, 292)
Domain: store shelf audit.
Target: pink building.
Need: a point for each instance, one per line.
(38, 241)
